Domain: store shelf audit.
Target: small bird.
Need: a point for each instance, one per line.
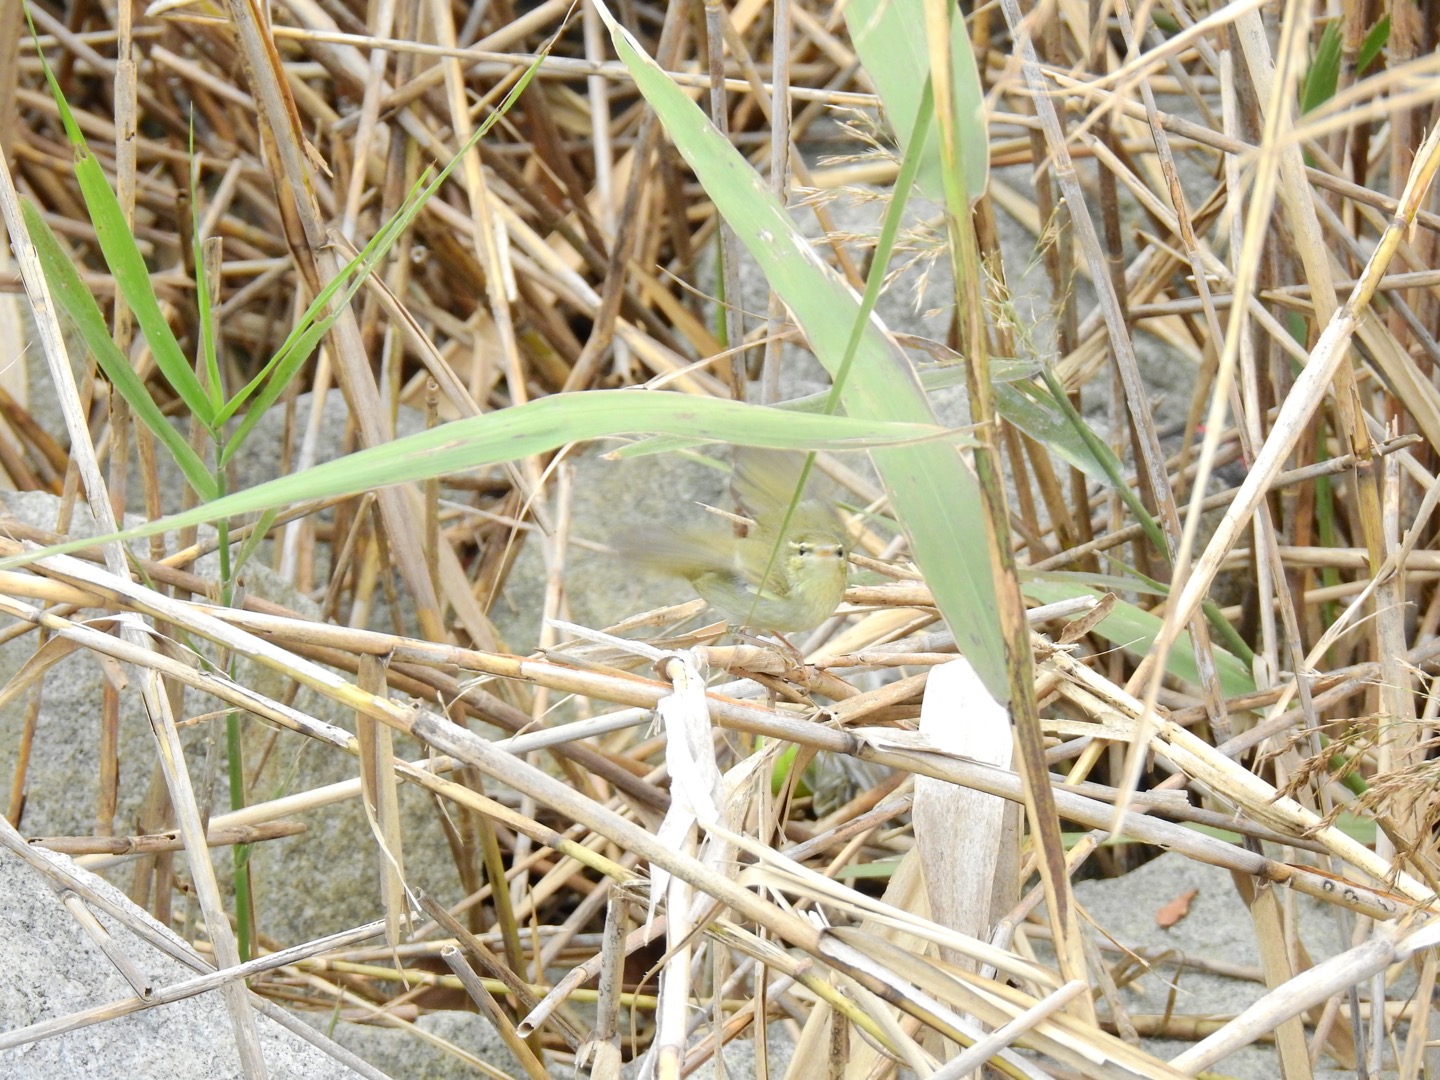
(784, 582)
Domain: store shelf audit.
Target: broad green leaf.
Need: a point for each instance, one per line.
(1114, 583)
(937, 378)
(75, 301)
(1323, 77)
(535, 428)
(889, 38)
(1135, 631)
(127, 265)
(935, 495)
(253, 540)
(1375, 41)
(1034, 413)
(214, 385)
(308, 332)
(1228, 635)
(1053, 395)
(877, 869)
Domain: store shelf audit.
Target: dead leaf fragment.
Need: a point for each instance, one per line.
(1175, 910)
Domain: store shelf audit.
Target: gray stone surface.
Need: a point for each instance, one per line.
(739, 1058)
(317, 882)
(1217, 928)
(404, 1054)
(53, 969)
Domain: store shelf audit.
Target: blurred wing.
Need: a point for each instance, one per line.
(764, 483)
(687, 553)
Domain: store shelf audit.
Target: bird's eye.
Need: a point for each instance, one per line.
(802, 549)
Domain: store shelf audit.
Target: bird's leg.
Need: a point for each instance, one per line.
(793, 654)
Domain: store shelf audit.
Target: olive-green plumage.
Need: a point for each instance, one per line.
(766, 580)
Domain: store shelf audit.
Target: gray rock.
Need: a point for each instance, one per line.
(337, 848)
(54, 969)
(401, 1053)
(739, 1058)
(1218, 927)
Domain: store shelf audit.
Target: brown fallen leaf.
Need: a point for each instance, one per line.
(1175, 910)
